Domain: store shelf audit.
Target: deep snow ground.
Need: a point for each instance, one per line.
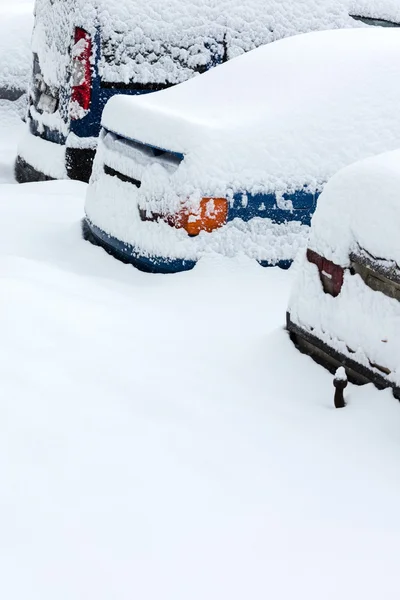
(160, 438)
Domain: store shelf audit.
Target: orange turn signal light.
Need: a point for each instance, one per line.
(210, 215)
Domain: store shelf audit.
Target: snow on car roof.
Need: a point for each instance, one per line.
(167, 42)
(175, 39)
(287, 114)
(16, 22)
(388, 10)
(160, 42)
(360, 208)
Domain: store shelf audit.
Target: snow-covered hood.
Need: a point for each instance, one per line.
(285, 115)
(360, 208)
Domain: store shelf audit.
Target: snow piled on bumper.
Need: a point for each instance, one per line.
(360, 323)
(44, 156)
(113, 206)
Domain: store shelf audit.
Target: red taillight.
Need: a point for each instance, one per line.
(81, 74)
(331, 275)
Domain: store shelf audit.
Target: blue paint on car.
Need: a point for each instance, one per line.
(297, 206)
(127, 253)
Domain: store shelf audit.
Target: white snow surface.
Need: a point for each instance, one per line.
(44, 156)
(162, 438)
(359, 210)
(360, 206)
(283, 116)
(16, 23)
(168, 42)
(189, 33)
(340, 374)
(388, 10)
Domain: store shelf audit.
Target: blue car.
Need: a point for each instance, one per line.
(85, 52)
(234, 160)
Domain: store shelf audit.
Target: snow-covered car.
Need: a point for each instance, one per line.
(381, 13)
(16, 22)
(85, 51)
(234, 160)
(345, 304)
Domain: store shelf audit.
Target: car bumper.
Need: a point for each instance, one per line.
(26, 173)
(116, 194)
(79, 162)
(11, 93)
(128, 254)
(331, 359)
(41, 160)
